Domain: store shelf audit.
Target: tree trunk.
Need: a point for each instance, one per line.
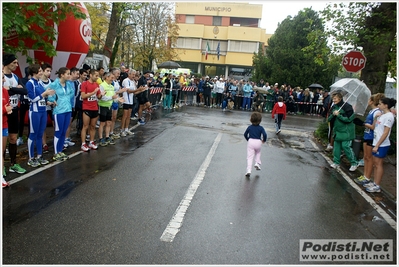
(112, 31)
(377, 47)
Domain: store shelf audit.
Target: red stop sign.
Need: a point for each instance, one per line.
(354, 61)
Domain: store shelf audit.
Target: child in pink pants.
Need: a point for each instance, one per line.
(256, 136)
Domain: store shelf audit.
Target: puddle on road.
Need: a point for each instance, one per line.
(29, 209)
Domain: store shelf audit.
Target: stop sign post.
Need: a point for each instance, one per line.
(354, 61)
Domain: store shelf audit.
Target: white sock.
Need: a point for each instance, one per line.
(126, 129)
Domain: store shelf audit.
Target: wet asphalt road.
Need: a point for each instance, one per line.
(111, 206)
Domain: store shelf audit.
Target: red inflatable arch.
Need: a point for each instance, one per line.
(72, 44)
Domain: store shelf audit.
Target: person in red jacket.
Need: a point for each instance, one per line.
(6, 109)
(280, 110)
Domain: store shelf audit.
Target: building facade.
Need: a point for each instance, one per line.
(218, 38)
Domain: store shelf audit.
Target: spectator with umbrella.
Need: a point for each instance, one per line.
(342, 115)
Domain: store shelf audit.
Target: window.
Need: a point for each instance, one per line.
(217, 21)
(244, 47)
(188, 43)
(245, 22)
(189, 19)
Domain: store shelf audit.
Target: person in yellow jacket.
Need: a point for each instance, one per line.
(105, 101)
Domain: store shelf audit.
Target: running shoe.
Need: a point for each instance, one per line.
(92, 145)
(5, 183)
(248, 173)
(69, 142)
(278, 131)
(20, 141)
(58, 157)
(353, 168)
(123, 134)
(371, 184)
(373, 188)
(115, 136)
(33, 163)
(329, 148)
(64, 156)
(334, 166)
(257, 166)
(110, 141)
(84, 147)
(141, 122)
(17, 168)
(42, 161)
(129, 132)
(103, 142)
(45, 148)
(361, 180)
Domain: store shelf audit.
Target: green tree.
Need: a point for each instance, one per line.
(367, 27)
(99, 24)
(261, 66)
(139, 33)
(154, 35)
(298, 53)
(34, 21)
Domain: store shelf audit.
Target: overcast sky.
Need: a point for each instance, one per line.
(274, 12)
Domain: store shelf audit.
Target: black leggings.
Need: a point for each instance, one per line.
(23, 108)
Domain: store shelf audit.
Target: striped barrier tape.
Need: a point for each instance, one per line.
(156, 90)
(188, 88)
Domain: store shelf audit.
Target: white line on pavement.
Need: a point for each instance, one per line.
(177, 220)
(382, 212)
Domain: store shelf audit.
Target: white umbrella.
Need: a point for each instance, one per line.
(354, 92)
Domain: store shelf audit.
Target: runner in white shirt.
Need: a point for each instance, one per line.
(381, 143)
(128, 97)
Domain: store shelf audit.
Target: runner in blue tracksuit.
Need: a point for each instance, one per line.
(63, 100)
(37, 115)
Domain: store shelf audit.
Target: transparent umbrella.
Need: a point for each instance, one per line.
(354, 92)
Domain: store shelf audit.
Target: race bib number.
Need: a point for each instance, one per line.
(92, 98)
(42, 103)
(14, 101)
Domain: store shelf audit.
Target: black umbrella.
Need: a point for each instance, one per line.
(315, 85)
(169, 65)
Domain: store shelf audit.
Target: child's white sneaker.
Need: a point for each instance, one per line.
(257, 166)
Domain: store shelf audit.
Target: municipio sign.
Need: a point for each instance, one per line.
(354, 61)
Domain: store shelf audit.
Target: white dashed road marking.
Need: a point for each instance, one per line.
(177, 220)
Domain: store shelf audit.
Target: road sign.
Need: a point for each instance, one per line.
(354, 61)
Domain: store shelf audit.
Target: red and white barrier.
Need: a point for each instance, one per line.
(156, 90)
(188, 88)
